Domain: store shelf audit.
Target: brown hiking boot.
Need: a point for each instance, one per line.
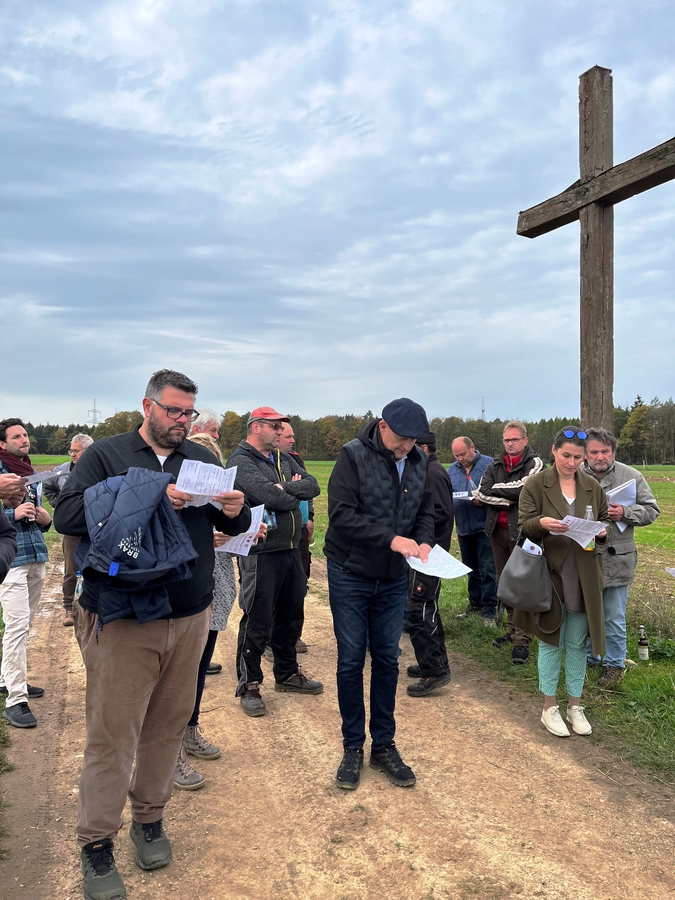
(299, 683)
(611, 676)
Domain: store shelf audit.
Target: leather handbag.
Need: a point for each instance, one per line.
(525, 582)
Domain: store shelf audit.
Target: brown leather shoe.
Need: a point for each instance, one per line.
(68, 619)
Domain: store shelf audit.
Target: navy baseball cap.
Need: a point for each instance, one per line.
(406, 418)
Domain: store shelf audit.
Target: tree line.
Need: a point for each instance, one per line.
(645, 431)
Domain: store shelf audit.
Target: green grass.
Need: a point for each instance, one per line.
(321, 470)
(636, 720)
(43, 459)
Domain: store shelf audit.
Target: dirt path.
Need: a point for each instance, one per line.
(501, 809)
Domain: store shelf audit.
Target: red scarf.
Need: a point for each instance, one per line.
(20, 465)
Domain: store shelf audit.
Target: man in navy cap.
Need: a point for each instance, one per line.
(380, 512)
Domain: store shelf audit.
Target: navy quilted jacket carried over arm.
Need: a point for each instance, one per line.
(137, 545)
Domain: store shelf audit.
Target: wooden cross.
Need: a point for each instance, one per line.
(591, 199)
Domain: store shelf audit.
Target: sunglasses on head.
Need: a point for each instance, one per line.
(571, 432)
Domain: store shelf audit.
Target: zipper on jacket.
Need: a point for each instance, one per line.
(282, 477)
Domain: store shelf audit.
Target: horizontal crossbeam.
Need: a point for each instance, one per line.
(649, 169)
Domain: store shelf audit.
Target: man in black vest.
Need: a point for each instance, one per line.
(380, 513)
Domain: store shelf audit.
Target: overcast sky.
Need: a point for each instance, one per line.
(312, 205)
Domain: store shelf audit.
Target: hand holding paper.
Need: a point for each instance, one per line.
(440, 564)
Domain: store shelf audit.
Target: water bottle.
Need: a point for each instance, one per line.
(79, 585)
(270, 519)
(590, 518)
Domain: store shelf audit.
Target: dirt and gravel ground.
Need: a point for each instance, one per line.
(501, 809)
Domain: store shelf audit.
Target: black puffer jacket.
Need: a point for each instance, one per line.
(368, 506)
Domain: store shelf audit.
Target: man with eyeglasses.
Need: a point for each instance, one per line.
(499, 490)
(141, 678)
(52, 489)
(273, 582)
(619, 559)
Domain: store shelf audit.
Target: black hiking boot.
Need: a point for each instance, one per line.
(349, 772)
(388, 760)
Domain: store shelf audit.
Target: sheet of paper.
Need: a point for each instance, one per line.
(240, 544)
(441, 564)
(671, 572)
(204, 481)
(42, 476)
(582, 530)
(461, 495)
(626, 495)
(531, 548)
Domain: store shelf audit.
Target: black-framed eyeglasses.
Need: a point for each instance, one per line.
(571, 432)
(277, 426)
(513, 440)
(175, 412)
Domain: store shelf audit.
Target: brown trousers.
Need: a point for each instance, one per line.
(141, 687)
(68, 545)
(502, 547)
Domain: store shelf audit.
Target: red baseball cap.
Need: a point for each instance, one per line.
(266, 412)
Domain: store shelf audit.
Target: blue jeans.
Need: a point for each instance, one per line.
(476, 552)
(366, 612)
(614, 600)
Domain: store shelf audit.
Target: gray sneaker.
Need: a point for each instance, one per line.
(251, 701)
(197, 745)
(102, 881)
(299, 683)
(185, 778)
(20, 716)
(153, 849)
(268, 654)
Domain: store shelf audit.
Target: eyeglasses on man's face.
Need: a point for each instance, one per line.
(512, 440)
(275, 426)
(175, 412)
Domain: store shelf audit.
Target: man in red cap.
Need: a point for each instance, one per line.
(273, 582)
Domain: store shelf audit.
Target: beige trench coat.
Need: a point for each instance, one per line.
(541, 496)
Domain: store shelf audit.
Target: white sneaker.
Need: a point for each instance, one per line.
(578, 721)
(552, 721)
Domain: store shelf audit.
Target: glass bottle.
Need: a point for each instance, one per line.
(590, 518)
(643, 644)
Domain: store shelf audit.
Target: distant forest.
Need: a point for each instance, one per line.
(646, 433)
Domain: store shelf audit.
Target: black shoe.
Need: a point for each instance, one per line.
(153, 849)
(414, 672)
(519, 656)
(20, 716)
(214, 669)
(426, 685)
(469, 611)
(299, 683)
(389, 761)
(500, 641)
(349, 772)
(102, 881)
(32, 691)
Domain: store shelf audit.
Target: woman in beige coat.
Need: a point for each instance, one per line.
(576, 574)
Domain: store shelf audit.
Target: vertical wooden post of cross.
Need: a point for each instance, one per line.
(596, 155)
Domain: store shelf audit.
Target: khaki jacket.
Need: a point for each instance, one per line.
(541, 496)
(620, 560)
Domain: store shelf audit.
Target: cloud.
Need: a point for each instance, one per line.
(314, 205)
